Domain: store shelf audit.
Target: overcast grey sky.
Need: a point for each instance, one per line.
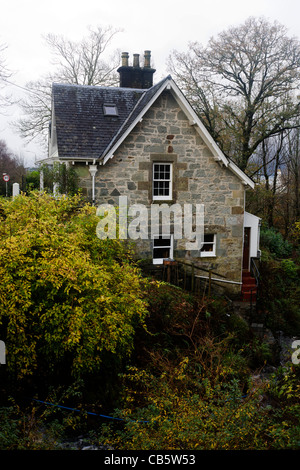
(158, 25)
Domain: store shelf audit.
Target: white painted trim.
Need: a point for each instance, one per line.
(161, 260)
(253, 222)
(246, 180)
(170, 196)
(210, 254)
(248, 214)
(49, 160)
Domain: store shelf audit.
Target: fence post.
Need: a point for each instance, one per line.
(193, 277)
(209, 283)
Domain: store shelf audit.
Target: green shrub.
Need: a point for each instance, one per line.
(24, 430)
(280, 295)
(9, 431)
(273, 241)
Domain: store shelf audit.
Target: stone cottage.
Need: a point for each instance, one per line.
(145, 142)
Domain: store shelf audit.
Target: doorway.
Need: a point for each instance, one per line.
(246, 249)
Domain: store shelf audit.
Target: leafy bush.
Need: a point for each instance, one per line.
(273, 241)
(32, 180)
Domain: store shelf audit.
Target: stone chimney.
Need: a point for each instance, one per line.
(136, 76)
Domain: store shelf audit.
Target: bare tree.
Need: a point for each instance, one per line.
(5, 74)
(294, 164)
(272, 157)
(37, 111)
(243, 84)
(10, 164)
(80, 63)
(291, 176)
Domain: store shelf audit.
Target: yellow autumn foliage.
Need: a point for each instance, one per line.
(66, 297)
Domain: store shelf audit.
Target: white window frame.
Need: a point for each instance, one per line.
(169, 244)
(168, 197)
(205, 254)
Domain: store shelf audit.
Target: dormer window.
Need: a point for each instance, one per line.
(110, 110)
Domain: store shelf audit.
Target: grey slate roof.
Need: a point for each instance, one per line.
(83, 131)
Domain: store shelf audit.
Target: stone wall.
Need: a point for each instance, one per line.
(165, 134)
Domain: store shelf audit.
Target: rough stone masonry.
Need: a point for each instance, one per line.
(165, 134)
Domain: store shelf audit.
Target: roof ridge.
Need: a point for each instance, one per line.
(75, 85)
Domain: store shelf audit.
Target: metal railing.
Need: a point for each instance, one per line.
(254, 271)
(168, 264)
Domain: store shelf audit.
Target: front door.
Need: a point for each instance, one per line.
(246, 251)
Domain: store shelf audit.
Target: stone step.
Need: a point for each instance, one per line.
(249, 282)
(248, 291)
(248, 278)
(246, 296)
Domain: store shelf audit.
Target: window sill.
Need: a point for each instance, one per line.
(158, 261)
(158, 201)
(208, 256)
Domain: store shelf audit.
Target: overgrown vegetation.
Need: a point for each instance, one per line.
(84, 329)
(183, 409)
(279, 283)
(69, 301)
(193, 384)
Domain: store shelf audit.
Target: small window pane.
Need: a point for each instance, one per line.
(208, 238)
(156, 188)
(161, 247)
(208, 244)
(110, 110)
(160, 241)
(166, 187)
(161, 253)
(207, 247)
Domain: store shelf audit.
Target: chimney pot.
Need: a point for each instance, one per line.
(147, 55)
(125, 57)
(136, 60)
